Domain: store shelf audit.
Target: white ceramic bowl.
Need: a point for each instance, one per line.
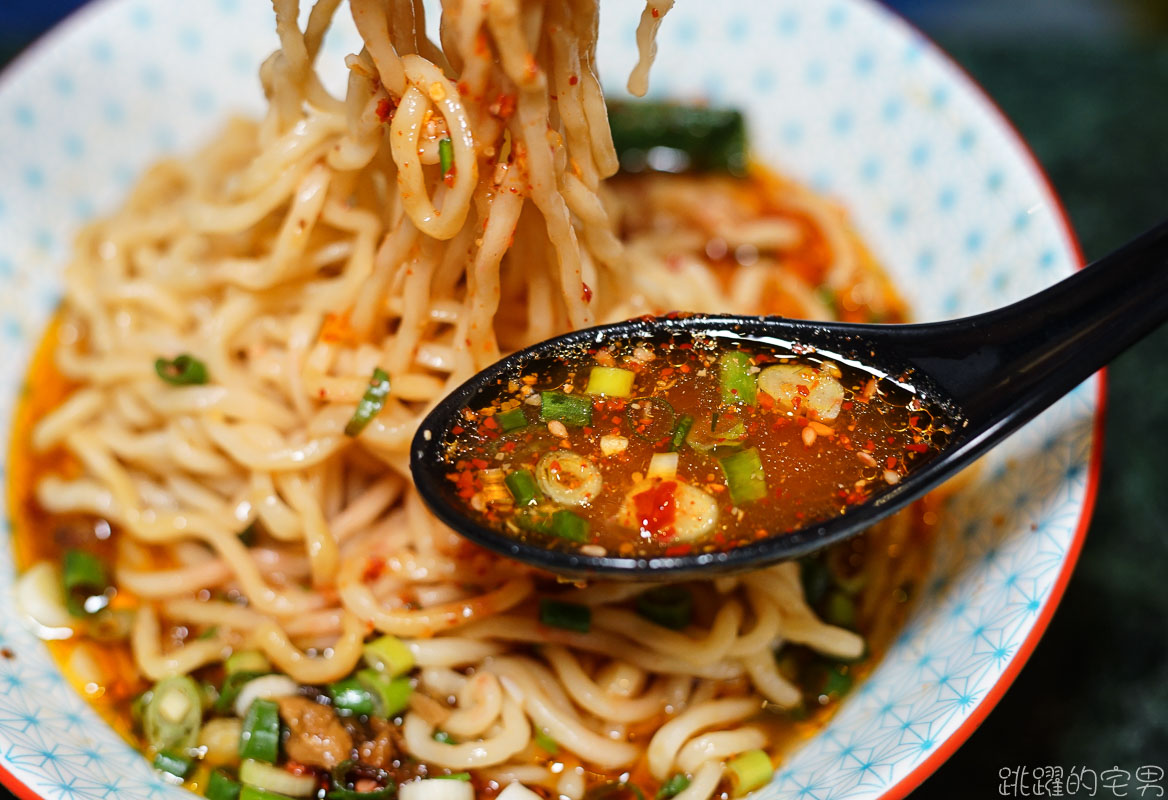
(839, 93)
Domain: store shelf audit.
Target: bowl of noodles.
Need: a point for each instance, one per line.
(217, 577)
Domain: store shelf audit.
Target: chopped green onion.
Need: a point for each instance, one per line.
(256, 793)
(271, 778)
(663, 466)
(341, 784)
(744, 476)
(569, 616)
(523, 487)
(650, 425)
(730, 438)
(86, 583)
(247, 661)
(545, 742)
(389, 655)
(571, 409)
(390, 695)
(675, 785)
(738, 384)
(567, 525)
(610, 381)
(173, 764)
(840, 610)
(221, 786)
(445, 155)
(749, 771)
(371, 403)
(173, 714)
(680, 431)
(454, 776)
(535, 519)
(837, 683)
(512, 420)
(210, 633)
(350, 698)
(668, 606)
(184, 370)
(232, 685)
(260, 739)
(442, 737)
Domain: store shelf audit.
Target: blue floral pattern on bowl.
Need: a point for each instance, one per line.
(839, 94)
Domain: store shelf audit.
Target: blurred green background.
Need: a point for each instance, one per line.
(1086, 82)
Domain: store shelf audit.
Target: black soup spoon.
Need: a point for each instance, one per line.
(995, 371)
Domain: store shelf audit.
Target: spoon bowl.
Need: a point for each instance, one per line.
(992, 373)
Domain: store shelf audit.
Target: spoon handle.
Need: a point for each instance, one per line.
(1009, 364)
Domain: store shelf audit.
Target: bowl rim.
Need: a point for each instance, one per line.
(977, 716)
(910, 782)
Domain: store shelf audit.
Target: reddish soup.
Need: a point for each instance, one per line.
(684, 445)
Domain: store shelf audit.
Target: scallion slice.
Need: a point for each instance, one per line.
(86, 583)
(389, 655)
(442, 737)
(512, 420)
(232, 685)
(535, 519)
(749, 771)
(610, 381)
(675, 785)
(523, 487)
(737, 383)
(371, 403)
(545, 742)
(445, 155)
(668, 606)
(252, 661)
(256, 793)
(390, 695)
(342, 781)
(260, 740)
(652, 419)
(454, 776)
(221, 786)
(173, 714)
(173, 764)
(350, 698)
(182, 370)
(744, 476)
(271, 778)
(568, 525)
(680, 430)
(571, 409)
(568, 616)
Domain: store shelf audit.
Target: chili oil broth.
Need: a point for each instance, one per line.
(881, 434)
